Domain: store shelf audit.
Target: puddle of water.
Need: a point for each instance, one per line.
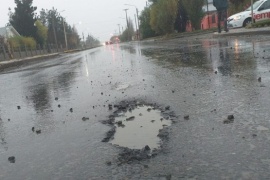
(140, 128)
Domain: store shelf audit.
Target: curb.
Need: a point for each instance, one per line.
(243, 33)
(178, 36)
(18, 62)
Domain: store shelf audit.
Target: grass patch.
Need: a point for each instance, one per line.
(259, 24)
(182, 34)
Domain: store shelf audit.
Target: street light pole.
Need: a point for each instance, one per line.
(127, 23)
(252, 19)
(119, 29)
(54, 32)
(136, 27)
(83, 41)
(137, 12)
(139, 32)
(208, 14)
(65, 34)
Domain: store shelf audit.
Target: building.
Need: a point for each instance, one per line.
(5, 33)
(210, 19)
(8, 31)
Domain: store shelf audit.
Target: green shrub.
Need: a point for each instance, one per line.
(21, 41)
(259, 24)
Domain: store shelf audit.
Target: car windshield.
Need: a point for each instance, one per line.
(255, 5)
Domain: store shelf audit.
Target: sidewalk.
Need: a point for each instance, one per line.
(243, 31)
(232, 32)
(17, 62)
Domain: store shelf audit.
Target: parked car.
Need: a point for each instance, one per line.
(261, 11)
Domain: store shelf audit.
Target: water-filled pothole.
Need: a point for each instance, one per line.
(139, 127)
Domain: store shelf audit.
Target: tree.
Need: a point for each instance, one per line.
(238, 6)
(130, 28)
(55, 27)
(128, 32)
(42, 33)
(55, 24)
(163, 15)
(91, 41)
(145, 26)
(73, 37)
(181, 18)
(236, 1)
(194, 11)
(23, 18)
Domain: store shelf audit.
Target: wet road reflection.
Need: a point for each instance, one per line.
(195, 76)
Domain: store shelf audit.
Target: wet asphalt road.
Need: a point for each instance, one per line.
(207, 79)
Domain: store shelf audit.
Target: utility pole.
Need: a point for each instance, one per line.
(252, 19)
(127, 23)
(137, 19)
(54, 33)
(208, 14)
(83, 41)
(65, 34)
(136, 27)
(139, 32)
(119, 29)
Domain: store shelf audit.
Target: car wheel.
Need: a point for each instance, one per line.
(246, 22)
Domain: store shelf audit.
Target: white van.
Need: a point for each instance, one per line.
(261, 11)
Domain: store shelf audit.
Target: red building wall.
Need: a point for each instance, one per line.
(211, 22)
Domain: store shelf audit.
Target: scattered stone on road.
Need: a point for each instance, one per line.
(119, 123)
(230, 119)
(186, 117)
(130, 118)
(110, 107)
(167, 108)
(147, 148)
(109, 135)
(85, 118)
(11, 159)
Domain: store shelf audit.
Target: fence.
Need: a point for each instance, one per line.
(8, 53)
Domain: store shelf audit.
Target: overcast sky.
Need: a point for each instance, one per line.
(96, 17)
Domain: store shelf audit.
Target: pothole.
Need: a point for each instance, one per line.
(140, 129)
